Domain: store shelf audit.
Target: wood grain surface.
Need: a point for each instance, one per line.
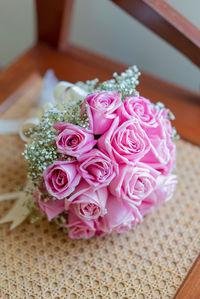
(53, 22)
(190, 288)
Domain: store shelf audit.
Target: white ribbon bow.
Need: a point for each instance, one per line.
(52, 92)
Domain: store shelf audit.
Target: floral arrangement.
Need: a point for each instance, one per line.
(101, 157)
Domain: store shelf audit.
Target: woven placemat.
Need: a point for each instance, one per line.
(151, 261)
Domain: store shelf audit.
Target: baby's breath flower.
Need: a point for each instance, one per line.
(125, 83)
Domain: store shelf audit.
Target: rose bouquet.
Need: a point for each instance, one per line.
(101, 157)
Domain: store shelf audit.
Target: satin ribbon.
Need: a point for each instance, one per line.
(19, 211)
(52, 93)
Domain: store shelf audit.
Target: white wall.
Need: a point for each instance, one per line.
(101, 26)
(16, 29)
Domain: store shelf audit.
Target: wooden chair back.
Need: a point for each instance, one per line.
(169, 24)
(53, 22)
(54, 17)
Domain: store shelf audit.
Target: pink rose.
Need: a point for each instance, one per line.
(101, 110)
(61, 178)
(51, 208)
(170, 165)
(164, 190)
(119, 217)
(73, 140)
(162, 153)
(88, 204)
(140, 108)
(134, 183)
(125, 143)
(168, 133)
(168, 128)
(96, 168)
(79, 228)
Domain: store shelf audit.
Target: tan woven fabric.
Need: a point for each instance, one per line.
(151, 261)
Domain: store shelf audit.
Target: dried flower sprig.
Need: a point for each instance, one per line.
(41, 152)
(125, 83)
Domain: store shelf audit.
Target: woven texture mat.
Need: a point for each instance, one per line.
(151, 261)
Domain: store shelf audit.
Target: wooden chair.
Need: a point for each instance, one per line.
(72, 63)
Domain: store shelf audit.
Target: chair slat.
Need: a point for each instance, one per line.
(169, 24)
(53, 22)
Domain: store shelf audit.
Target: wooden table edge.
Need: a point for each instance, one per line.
(190, 287)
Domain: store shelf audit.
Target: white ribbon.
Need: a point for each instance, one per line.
(30, 122)
(10, 126)
(10, 196)
(63, 92)
(52, 92)
(19, 211)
